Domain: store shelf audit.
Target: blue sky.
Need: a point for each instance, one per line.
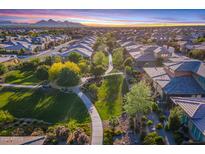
(107, 17)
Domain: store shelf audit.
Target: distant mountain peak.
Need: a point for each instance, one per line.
(53, 23)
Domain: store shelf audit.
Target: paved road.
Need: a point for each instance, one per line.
(97, 126)
(49, 52)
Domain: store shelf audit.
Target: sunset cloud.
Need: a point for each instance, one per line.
(106, 17)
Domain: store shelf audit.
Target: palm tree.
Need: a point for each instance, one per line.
(138, 102)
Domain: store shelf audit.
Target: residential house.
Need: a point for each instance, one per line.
(194, 115)
(179, 78)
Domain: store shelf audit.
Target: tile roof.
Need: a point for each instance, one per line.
(195, 108)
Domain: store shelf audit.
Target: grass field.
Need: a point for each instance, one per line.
(50, 106)
(110, 97)
(18, 77)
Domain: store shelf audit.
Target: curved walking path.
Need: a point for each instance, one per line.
(110, 66)
(97, 126)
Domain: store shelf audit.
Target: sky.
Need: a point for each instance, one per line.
(107, 17)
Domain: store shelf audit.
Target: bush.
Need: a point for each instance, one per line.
(162, 118)
(3, 69)
(97, 70)
(149, 122)
(178, 137)
(128, 70)
(144, 118)
(42, 72)
(153, 138)
(143, 135)
(5, 116)
(108, 137)
(159, 126)
(159, 140)
(118, 132)
(29, 65)
(174, 118)
(167, 127)
(75, 57)
(155, 107)
(128, 62)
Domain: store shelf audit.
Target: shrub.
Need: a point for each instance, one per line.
(178, 137)
(118, 132)
(128, 70)
(144, 118)
(108, 137)
(143, 135)
(155, 107)
(97, 70)
(159, 140)
(159, 126)
(128, 62)
(167, 127)
(5, 116)
(3, 69)
(174, 118)
(162, 118)
(149, 122)
(153, 138)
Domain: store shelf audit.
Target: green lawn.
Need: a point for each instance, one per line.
(110, 97)
(19, 77)
(50, 106)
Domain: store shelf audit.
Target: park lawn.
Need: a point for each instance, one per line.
(110, 97)
(19, 77)
(51, 106)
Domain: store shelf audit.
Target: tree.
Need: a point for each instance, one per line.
(75, 57)
(65, 74)
(128, 70)
(55, 70)
(138, 101)
(174, 118)
(42, 72)
(3, 69)
(97, 70)
(197, 54)
(128, 62)
(99, 58)
(30, 65)
(48, 60)
(84, 67)
(68, 77)
(72, 66)
(118, 57)
(110, 41)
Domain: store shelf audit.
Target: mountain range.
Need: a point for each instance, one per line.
(44, 23)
